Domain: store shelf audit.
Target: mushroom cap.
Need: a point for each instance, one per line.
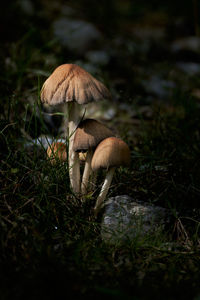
(89, 134)
(82, 156)
(57, 151)
(70, 82)
(111, 152)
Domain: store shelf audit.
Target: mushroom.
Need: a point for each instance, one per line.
(69, 83)
(88, 135)
(57, 151)
(109, 154)
(82, 156)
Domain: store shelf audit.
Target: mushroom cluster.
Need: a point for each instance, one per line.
(71, 86)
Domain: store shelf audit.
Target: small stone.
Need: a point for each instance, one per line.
(158, 86)
(189, 68)
(191, 43)
(125, 219)
(76, 35)
(109, 114)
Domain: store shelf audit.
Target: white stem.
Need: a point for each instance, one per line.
(74, 163)
(104, 189)
(87, 172)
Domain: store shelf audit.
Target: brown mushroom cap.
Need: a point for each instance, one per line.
(57, 151)
(70, 82)
(111, 152)
(89, 134)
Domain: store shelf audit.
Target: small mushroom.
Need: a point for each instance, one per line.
(109, 154)
(88, 135)
(57, 152)
(70, 84)
(82, 156)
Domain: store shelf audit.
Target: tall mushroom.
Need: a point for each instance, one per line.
(88, 135)
(69, 83)
(109, 154)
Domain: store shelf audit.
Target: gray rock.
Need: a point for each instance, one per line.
(125, 219)
(109, 114)
(76, 35)
(189, 68)
(158, 86)
(191, 43)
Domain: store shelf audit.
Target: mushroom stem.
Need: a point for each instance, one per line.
(74, 163)
(87, 172)
(104, 189)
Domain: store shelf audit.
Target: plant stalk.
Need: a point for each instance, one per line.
(74, 163)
